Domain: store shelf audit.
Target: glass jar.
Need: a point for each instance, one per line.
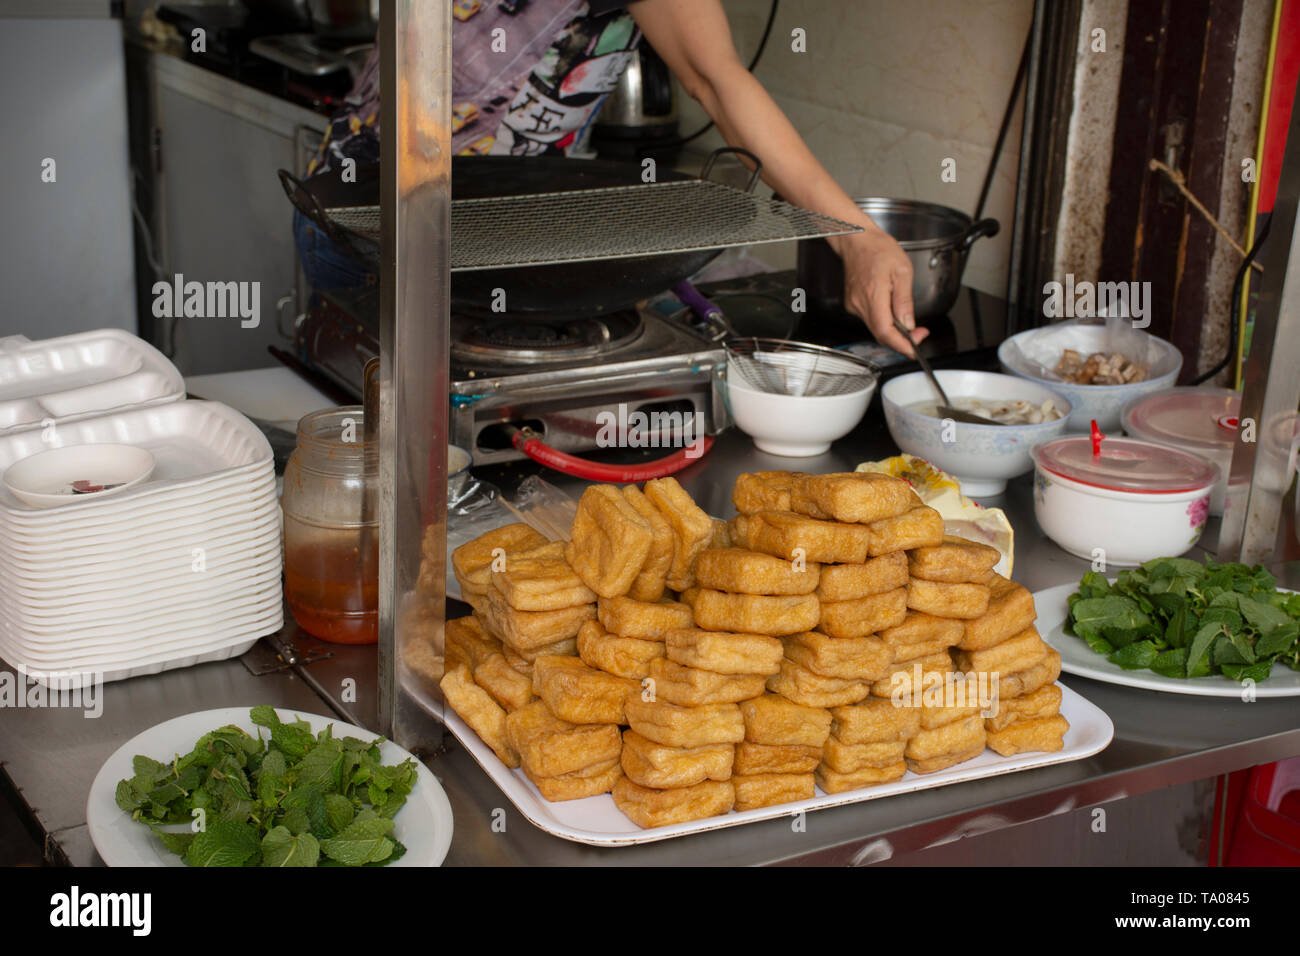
(331, 527)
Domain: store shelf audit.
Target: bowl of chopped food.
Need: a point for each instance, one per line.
(981, 457)
(1098, 368)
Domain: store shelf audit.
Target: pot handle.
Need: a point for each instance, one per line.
(758, 166)
(306, 203)
(977, 230)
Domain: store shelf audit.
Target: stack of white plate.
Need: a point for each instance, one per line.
(178, 570)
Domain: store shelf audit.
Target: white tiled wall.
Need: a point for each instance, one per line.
(889, 89)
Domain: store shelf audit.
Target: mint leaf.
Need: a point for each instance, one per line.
(1135, 656)
(1200, 644)
(338, 811)
(223, 843)
(282, 848)
(363, 841)
(320, 767)
(263, 716)
(178, 843)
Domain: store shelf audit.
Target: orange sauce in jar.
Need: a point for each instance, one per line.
(332, 587)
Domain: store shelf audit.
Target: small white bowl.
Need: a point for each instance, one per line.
(795, 426)
(1125, 527)
(982, 457)
(458, 462)
(1105, 403)
(45, 480)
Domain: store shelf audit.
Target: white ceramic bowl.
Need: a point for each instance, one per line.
(1125, 527)
(795, 426)
(983, 457)
(1105, 403)
(44, 480)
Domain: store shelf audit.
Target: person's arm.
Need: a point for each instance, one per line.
(694, 39)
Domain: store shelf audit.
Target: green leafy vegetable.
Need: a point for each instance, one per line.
(295, 799)
(1181, 618)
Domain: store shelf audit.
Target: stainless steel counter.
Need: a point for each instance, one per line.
(1161, 740)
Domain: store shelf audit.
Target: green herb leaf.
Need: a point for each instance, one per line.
(282, 848)
(363, 841)
(223, 843)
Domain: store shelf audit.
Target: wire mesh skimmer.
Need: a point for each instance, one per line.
(784, 367)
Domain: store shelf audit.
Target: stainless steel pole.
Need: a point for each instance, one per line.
(1270, 394)
(415, 131)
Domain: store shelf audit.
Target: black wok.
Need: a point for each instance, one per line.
(559, 290)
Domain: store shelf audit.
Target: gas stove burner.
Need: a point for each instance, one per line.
(512, 340)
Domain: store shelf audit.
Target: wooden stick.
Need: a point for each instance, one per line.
(1177, 179)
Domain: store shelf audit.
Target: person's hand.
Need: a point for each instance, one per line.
(878, 286)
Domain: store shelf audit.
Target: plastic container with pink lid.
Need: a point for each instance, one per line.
(1121, 500)
(1202, 421)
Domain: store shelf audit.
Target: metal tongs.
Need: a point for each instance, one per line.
(946, 409)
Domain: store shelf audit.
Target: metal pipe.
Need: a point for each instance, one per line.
(415, 203)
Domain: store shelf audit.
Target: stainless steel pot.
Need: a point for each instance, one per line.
(936, 238)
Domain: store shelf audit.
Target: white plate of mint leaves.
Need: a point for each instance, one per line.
(1180, 626)
(259, 787)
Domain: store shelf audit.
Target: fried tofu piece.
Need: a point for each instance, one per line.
(590, 782)
(803, 686)
(725, 652)
(688, 597)
(466, 641)
(565, 648)
(932, 717)
(956, 737)
(649, 808)
(960, 601)
(508, 687)
(920, 527)
(655, 765)
(924, 630)
(763, 491)
(863, 616)
(641, 619)
(540, 584)
(738, 528)
(773, 615)
(848, 582)
(628, 657)
(610, 541)
(675, 726)
(652, 580)
(943, 761)
(692, 528)
(859, 497)
(1031, 679)
(849, 658)
(691, 687)
(1034, 734)
(529, 630)
(791, 536)
(551, 747)
(875, 720)
(849, 758)
(772, 789)
(721, 534)
(754, 758)
(518, 662)
(954, 561)
(752, 572)
(581, 694)
(832, 782)
(476, 707)
(776, 721)
(1014, 654)
(907, 678)
(1043, 702)
(472, 561)
(910, 652)
(1011, 610)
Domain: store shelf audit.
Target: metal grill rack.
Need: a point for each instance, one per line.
(620, 222)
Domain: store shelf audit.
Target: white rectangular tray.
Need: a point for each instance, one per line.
(192, 443)
(76, 376)
(185, 659)
(598, 822)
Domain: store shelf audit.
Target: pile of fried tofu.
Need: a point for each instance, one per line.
(691, 667)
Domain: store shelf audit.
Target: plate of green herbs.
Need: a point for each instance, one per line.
(1179, 625)
(260, 787)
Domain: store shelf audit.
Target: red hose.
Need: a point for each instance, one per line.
(529, 444)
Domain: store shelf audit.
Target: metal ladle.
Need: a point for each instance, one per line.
(946, 410)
